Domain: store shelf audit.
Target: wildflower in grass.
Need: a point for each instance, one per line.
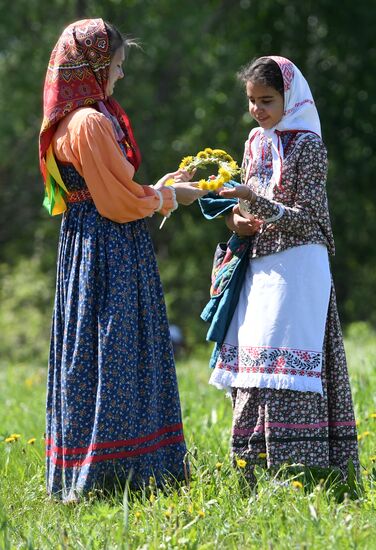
(10, 439)
(167, 514)
(372, 415)
(201, 513)
(360, 437)
(297, 484)
(262, 455)
(15, 436)
(219, 465)
(241, 463)
(137, 515)
(372, 458)
(366, 434)
(152, 498)
(190, 509)
(31, 441)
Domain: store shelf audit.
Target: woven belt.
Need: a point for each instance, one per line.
(79, 196)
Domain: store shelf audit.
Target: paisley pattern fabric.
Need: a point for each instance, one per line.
(113, 410)
(76, 77)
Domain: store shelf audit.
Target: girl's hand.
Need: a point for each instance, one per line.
(245, 227)
(240, 191)
(188, 192)
(178, 176)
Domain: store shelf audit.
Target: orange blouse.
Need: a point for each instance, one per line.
(86, 139)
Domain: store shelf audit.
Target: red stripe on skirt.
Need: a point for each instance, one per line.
(73, 463)
(112, 444)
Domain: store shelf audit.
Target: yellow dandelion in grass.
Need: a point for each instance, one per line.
(15, 436)
(372, 415)
(262, 455)
(201, 513)
(297, 484)
(372, 458)
(10, 439)
(31, 441)
(366, 434)
(137, 515)
(167, 514)
(241, 463)
(219, 465)
(152, 498)
(365, 472)
(360, 437)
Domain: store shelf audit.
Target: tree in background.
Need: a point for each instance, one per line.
(182, 95)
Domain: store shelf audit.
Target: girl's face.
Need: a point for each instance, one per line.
(266, 105)
(115, 70)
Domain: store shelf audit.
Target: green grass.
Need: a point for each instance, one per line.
(215, 511)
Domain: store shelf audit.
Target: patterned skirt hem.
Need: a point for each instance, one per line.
(225, 380)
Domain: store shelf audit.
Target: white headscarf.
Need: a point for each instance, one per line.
(300, 113)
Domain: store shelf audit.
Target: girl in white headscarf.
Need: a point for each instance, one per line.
(283, 355)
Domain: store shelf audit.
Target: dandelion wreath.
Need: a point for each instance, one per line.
(227, 167)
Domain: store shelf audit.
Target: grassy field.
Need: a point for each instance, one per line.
(214, 512)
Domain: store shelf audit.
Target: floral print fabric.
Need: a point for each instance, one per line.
(113, 408)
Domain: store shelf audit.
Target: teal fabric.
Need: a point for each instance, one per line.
(228, 275)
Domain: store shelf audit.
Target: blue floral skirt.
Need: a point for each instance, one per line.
(113, 410)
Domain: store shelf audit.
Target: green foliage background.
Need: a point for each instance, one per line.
(182, 95)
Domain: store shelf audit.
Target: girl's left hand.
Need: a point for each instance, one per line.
(239, 191)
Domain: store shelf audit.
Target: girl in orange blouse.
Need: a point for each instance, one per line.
(113, 411)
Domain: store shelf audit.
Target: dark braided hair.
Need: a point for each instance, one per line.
(264, 71)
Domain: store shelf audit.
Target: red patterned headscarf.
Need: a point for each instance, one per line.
(76, 77)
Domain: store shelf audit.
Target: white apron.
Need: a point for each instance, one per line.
(275, 339)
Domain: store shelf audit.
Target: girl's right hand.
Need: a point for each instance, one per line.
(244, 227)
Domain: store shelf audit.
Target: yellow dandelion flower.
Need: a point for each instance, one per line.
(202, 155)
(29, 382)
(167, 514)
(219, 465)
(186, 161)
(373, 458)
(372, 415)
(15, 436)
(212, 186)
(225, 174)
(241, 463)
(262, 455)
(297, 484)
(201, 513)
(170, 181)
(219, 153)
(137, 515)
(360, 437)
(234, 165)
(365, 434)
(10, 439)
(209, 151)
(31, 441)
(365, 472)
(152, 498)
(203, 184)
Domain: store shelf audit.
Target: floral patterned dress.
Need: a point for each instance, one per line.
(113, 411)
(306, 427)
